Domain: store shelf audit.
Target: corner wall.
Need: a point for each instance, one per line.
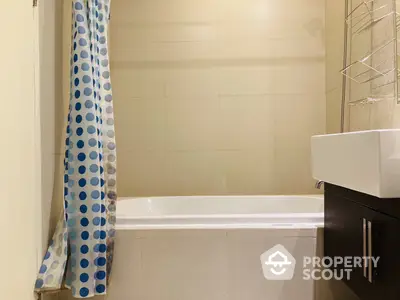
(19, 152)
(334, 39)
(50, 34)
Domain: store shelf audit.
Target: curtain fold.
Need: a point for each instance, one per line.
(81, 252)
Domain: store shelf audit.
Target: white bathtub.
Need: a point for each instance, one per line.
(180, 248)
(220, 212)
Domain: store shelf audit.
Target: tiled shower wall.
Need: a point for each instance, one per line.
(334, 26)
(217, 97)
(384, 114)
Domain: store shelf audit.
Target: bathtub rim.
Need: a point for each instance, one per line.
(223, 221)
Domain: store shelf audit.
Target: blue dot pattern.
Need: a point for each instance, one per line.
(82, 247)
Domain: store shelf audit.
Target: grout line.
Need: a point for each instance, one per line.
(216, 62)
(271, 94)
(332, 90)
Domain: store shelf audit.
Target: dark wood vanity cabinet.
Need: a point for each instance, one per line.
(359, 225)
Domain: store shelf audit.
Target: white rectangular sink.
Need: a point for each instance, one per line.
(364, 161)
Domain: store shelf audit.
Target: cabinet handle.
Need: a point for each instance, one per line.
(365, 247)
(370, 252)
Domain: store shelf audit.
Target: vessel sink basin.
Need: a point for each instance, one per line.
(364, 161)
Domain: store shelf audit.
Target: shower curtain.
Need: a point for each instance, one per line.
(80, 254)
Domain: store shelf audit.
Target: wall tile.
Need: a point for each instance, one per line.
(333, 110)
(246, 122)
(334, 43)
(382, 113)
(293, 143)
(262, 11)
(300, 78)
(162, 53)
(137, 129)
(194, 173)
(192, 124)
(142, 173)
(360, 116)
(334, 59)
(207, 95)
(248, 172)
(396, 116)
(191, 84)
(160, 11)
(292, 175)
(155, 32)
(309, 122)
(136, 83)
(245, 80)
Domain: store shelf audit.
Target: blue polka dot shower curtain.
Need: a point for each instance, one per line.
(80, 254)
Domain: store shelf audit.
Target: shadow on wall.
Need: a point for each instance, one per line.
(316, 28)
(60, 112)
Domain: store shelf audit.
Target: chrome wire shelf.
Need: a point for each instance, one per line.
(364, 15)
(370, 100)
(368, 65)
(371, 25)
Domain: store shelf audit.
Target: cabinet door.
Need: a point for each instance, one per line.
(344, 235)
(384, 280)
(352, 229)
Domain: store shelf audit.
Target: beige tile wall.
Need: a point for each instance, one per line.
(217, 97)
(384, 114)
(21, 162)
(334, 26)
